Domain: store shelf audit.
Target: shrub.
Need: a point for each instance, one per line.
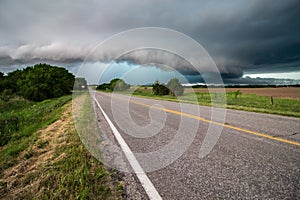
(6, 95)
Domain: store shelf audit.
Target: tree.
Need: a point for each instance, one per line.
(175, 87)
(104, 86)
(10, 81)
(114, 85)
(160, 89)
(37, 83)
(43, 81)
(118, 85)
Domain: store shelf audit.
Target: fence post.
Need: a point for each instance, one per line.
(272, 101)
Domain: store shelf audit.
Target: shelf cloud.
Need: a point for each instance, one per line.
(241, 36)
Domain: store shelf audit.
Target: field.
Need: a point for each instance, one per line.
(280, 92)
(281, 101)
(42, 156)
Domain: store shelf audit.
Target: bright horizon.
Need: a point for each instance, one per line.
(282, 75)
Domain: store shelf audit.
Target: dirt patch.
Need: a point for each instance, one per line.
(26, 175)
(280, 92)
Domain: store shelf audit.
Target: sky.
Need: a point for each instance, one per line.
(253, 41)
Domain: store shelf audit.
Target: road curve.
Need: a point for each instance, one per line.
(256, 157)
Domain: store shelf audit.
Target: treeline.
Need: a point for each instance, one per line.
(114, 85)
(173, 87)
(37, 83)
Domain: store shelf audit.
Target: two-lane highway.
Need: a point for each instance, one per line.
(256, 157)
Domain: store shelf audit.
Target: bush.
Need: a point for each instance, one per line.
(6, 95)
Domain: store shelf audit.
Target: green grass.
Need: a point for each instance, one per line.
(86, 123)
(30, 117)
(247, 102)
(76, 175)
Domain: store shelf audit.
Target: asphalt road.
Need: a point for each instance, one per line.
(257, 156)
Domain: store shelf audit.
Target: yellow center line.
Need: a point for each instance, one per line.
(216, 123)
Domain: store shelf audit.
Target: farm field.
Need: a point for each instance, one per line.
(281, 92)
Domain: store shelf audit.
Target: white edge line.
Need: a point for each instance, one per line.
(138, 170)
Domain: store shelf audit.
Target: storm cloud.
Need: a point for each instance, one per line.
(241, 36)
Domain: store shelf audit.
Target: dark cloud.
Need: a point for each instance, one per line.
(258, 34)
(241, 36)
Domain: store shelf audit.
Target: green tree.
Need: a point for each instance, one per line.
(176, 89)
(114, 85)
(118, 85)
(104, 86)
(10, 81)
(38, 82)
(43, 81)
(160, 89)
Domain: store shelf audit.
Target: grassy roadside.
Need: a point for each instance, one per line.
(246, 102)
(43, 158)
